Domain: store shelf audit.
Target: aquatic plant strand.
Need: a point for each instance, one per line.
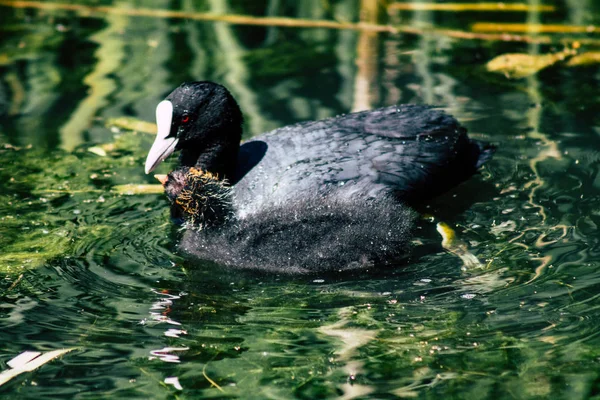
(89, 11)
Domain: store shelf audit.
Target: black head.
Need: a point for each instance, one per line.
(197, 118)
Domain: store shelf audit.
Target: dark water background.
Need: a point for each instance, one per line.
(84, 267)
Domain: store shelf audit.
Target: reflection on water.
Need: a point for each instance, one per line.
(85, 267)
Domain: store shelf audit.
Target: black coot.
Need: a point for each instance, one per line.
(316, 196)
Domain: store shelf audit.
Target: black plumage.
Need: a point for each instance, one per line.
(321, 195)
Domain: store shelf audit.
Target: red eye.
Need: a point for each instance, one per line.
(185, 118)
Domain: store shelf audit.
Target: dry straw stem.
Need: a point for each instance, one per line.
(89, 11)
(458, 7)
(532, 28)
(133, 189)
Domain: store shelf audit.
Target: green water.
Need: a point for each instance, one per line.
(84, 267)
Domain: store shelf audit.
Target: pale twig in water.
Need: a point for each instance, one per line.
(532, 28)
(213, 383)
(458, 7)
(15, 283)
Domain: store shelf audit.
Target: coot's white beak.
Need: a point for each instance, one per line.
(163, 146)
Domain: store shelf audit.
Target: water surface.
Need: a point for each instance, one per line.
(87, 268)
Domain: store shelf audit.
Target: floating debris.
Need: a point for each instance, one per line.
(521, 65)
(584, 59)
(99, 151)
(173, 380)
(457, 247)
(29, 361)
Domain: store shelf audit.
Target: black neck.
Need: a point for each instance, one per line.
(219, 159)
